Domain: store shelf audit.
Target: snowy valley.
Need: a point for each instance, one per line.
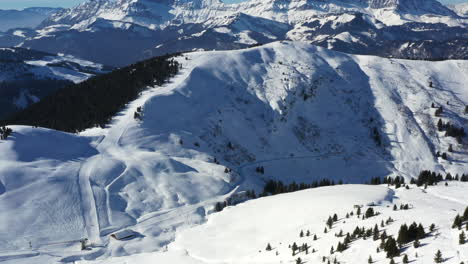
(226, 124)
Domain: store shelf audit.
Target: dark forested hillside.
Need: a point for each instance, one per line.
(13, 96)
(95, 101)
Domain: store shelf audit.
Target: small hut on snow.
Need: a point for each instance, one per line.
(123, 234)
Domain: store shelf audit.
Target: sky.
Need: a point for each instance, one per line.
(20, 4)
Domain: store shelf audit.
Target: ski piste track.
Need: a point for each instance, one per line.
(98, 218)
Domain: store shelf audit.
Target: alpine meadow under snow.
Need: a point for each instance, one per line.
(227, 123)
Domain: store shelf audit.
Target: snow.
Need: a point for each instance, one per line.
(239, 234)
(303, 112)
(461, 9)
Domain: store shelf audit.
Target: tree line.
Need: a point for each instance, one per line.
(94, 102)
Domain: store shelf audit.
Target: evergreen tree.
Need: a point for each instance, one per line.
(268, 247)
(369, 212)
(294, 248)
(219, 207)
(392, 261)
(315, 237)
(391, 248)
(438, 257)
(420, 232)
(335, 217)
(457, 223)
(405, 259)
(416, 243)
(444, 156)
(432, 228)
(376, 233)
(358, 211)
(298, 261)
(462, 238)
(369, 260)
(330, 222)
(440, 125)
(301, 234)
(308, 233)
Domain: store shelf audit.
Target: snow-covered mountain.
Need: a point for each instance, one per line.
(26, 76)
(26, 18)
(98, 29)
(300, 112)
(461, 9)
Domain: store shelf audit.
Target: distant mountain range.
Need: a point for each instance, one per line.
(97, 30)
(26, 18)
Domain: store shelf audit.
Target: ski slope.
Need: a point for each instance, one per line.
(303, 113)
(240, 234)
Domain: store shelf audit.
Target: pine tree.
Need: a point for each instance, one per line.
(392, 261)
(416, 243)
(219, 207)
(405, 259)
(301, 234)
(457, 222)
(308, 233)
(376, 233)
(403, 236)
(395, 207)
(369, 260)
(369, 212)
(298, 261)
(268, 247)
(444, 156)
(438, 257)
(330, 222)
(432, 228)
(294, 248)
(339, 247)
(462, 238)
(335, 217)
(315, 237)
(358, 211)
(391, 248)
(440, 125)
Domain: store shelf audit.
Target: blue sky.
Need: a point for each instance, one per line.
(19, 4)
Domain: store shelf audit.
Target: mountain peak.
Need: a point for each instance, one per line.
(413, 6)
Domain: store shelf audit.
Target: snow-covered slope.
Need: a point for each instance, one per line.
(241, 233)
(303, 113)
(26, 76)
(26, 18)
